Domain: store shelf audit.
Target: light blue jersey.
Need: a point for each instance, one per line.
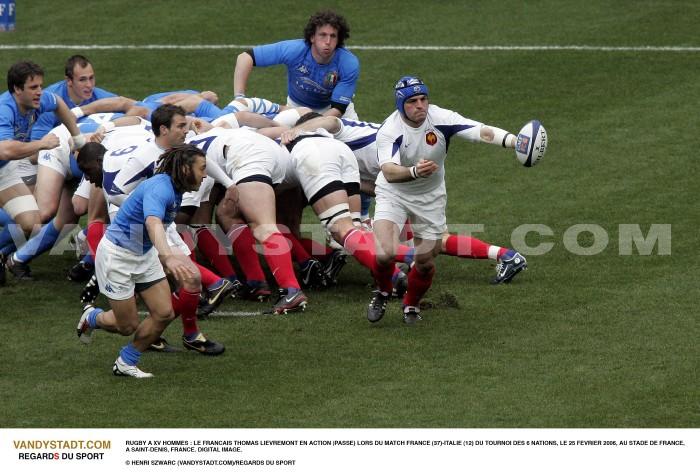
(14, 125)
(49, 121)
(153, 197)
(309, 83)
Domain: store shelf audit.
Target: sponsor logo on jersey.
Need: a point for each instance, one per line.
(331, 79)
(431, 138)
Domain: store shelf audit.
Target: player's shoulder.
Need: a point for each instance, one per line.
(57, 87)
(7, 106)
(346, 59)
(392, 125)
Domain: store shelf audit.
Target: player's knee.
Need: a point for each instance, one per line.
(47, 213)
(192, 284)
(425, 267)
(127, 328)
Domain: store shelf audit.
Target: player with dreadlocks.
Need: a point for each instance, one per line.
(129, 259)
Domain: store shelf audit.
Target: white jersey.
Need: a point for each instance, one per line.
(130, 158)
(361, 137)
(242, 153)
(399, 143)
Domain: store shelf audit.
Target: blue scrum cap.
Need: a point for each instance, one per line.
(408, 86)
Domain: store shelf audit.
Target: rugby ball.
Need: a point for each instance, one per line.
(531, 143)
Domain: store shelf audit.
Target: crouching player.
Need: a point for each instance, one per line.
(127, 259)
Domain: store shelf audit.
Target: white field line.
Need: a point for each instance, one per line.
(649, 48)
(223, 314)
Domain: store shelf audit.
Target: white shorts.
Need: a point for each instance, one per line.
(259, 157)
(428, 220)
(26, 170)
(194, 198)
(58, 158)
(9, 176)
(84, 189)
(175, 240)
(322, 160)
(118, 270)
(349, 114)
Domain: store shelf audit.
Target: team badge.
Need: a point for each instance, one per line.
(431, 138)
(331, 79)
(303, 69)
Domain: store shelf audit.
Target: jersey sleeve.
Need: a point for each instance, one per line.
(349, 73)
(451, 123)
(277, 53)
(7, 131)
(388, 145)
(49, 102)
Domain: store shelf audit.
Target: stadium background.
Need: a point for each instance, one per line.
(576, 341)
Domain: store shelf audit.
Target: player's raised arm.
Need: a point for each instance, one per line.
(244, 65)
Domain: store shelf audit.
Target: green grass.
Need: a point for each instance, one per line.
(576, 341)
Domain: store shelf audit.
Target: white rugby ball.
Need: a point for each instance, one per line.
(531, 143)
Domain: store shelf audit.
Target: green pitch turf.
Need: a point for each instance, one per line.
(603, 340)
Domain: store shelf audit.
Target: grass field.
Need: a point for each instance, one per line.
(605, 340)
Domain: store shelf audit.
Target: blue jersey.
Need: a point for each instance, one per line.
(309, 83)
(14, 125)
(49, 121)
(205, 109)
(153, 197)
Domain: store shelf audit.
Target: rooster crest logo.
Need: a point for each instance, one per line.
(431, 138)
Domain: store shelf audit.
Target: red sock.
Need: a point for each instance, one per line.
(187, 307)
(95, 231)
(315, 248)
(469, 247)
(299, 253)
(360, 245)
(406, 232)
(208, 277)
(245, 251)
(382, 276)
(215, 252)
(418, 285)
(279, 260)
(405, 254)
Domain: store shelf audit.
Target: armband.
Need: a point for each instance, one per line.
(78, 141)
(505, 138)
(77, 112)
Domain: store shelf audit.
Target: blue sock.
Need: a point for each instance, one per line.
(292, 290)
(92, 318)
(254, 283)
(366, 202)
(9, 249)
(88, 259)
(6, 236)
(130, 355)
(42, 242)
(5, 218)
